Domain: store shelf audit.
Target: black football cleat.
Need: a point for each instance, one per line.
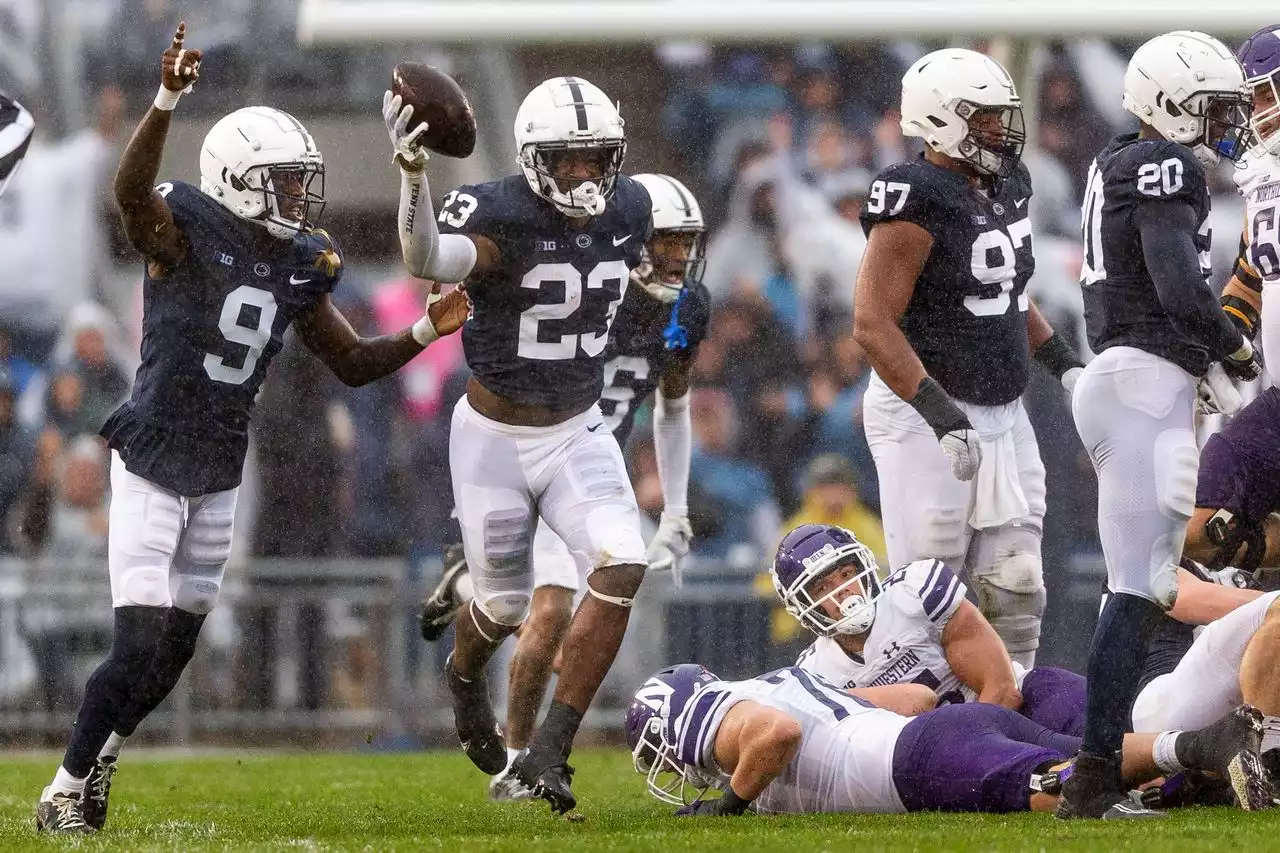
(61, 814)
(441, 607)
(1232, 747)
(97, 789)
(477, 726)
(548, 776)
(1091, 789)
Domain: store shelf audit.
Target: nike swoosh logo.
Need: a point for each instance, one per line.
(293, 279)
(1019, 203)
(619, 242)
(594, 428)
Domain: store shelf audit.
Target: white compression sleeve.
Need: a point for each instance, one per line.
(428, 253)
(673, 445)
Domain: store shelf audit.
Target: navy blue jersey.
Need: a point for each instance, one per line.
(638, 353)
(540, 323)
(209, 330)
(967, 318)
(1121, 305)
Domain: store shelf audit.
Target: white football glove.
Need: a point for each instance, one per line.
(1070, 378)
(669, 545)
(1216, 394)
(404, 142)
(964, 451)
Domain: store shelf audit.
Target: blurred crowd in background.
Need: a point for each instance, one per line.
(780, 143)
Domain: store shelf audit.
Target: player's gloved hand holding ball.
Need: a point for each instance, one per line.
(408, 152)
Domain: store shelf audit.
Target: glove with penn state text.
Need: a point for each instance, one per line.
(670, 544)
(1243, 365)
(397, 116)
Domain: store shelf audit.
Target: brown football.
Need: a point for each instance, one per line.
(437, 99)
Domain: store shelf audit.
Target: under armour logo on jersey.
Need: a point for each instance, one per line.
(224, 259)
(892, 650)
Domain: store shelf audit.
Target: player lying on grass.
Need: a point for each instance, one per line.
(229, 266)
(791, 742)
(914, 627)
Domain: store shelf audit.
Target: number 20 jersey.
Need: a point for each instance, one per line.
(1121, 305)
(210, 328)
(967, 318)
(540, 323)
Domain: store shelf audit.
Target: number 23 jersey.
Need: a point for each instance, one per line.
(967, 318)
(540, 322)
(210, 328)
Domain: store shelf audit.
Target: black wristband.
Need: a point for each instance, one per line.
(938, 409)
(1057, 357)
(1244, 315)
(731, 804)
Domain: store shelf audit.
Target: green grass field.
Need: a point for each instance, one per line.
(436, 801)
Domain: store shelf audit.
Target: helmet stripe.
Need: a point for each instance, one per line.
(578, 104)
(684, 199)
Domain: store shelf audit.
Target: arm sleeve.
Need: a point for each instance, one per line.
(1170, 254)
(673, 445)
(427, 253)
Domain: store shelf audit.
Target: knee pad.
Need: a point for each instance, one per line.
(146, 586)
(196, 595)
(508, 609)
(1177, 464)
(1011, 595)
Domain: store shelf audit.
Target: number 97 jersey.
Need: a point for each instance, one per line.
(540, 322)
(967, 317)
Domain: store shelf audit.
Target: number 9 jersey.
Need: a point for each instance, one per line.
(967, 317)
(210, 328)
(540, 323)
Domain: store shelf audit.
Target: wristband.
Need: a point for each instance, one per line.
(1057, 357)
(167, 99)
(938, 409)
(1244, 315)
(424, 331)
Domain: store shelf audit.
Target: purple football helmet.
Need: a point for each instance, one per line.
(810, 553)
(1260, 56)
(663, 697)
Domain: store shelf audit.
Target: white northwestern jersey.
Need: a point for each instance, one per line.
(845, 759)
(1259, 182)
(904, 645)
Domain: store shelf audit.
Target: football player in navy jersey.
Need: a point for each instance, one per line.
(16, 127)
(652, 347)
(942, 312)
(1157, 328)
(546, 255)
(229, 267)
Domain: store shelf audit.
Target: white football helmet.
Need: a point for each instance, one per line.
(260, 163)
(561, 114)
(1190, 88)
(675, 211)
(964, 104)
